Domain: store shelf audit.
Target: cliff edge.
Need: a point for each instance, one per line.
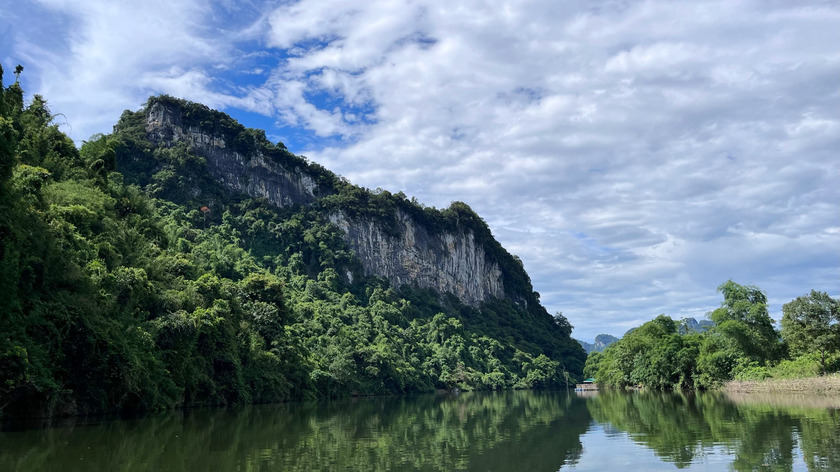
(397, 246)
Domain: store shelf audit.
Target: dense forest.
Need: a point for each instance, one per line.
(133, 281)
(742, 344)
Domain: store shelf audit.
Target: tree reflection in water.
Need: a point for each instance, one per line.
(536, 431)
(521, 430)
(760, 433)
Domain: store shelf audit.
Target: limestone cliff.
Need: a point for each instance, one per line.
(253, 174)
(449, 260)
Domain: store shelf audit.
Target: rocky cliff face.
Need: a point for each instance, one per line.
(253, 175)
(602, 341)
(448, 261)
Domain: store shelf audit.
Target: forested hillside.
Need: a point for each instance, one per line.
(132, 280)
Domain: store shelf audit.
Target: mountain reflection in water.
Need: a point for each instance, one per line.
(501, 431)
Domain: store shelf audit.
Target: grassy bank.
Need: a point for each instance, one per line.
(823, 384)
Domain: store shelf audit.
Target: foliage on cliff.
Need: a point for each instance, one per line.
(132, 281)
(743, 344)
(336, 193)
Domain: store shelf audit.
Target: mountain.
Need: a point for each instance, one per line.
(185, 260)
(398, 241)
(686, 325)
(690, 325)
(601, 343)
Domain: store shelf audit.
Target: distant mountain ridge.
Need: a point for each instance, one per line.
(602, 341)
(691, 325)
(684, 326)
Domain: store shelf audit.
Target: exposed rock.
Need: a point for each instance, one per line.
(690, 325)
(602, 341)
(448, 261)
(254, 175)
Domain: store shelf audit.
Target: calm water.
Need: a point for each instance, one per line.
(507, 431)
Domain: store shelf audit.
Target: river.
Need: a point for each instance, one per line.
(500, 431)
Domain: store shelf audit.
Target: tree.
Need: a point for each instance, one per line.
(8, 136)
(811, 325)
(715, 361)
(593, 363)
(653, 355)
(743, 320)
(563, 323)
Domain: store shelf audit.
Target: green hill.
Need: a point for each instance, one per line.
(185, 260)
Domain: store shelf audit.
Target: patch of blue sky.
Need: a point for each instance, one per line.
(7, 41)
(16, 26)
(254, 68)
(297, 139)
(353, 112)
(251, 68)
(251, 119)
(231, 16)
(300, 140)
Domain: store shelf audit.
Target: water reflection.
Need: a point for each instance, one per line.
(534, 431)
(503, 431)
(759, 433)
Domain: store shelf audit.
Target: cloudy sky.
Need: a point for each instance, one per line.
(634, 154)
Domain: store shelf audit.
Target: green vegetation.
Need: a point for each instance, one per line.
(683, 427)
(811, 326)
(473, 431)
(743, 345)
(175, 174)
(133, 281)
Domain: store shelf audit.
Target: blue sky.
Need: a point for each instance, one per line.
(634, 154)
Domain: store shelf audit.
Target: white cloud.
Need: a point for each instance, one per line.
(114, 54)
(634, 154)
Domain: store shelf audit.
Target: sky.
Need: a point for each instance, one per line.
(634, 154)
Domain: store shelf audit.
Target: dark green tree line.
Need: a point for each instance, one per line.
(743, 344)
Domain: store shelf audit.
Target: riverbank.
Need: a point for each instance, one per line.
(825, 384)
